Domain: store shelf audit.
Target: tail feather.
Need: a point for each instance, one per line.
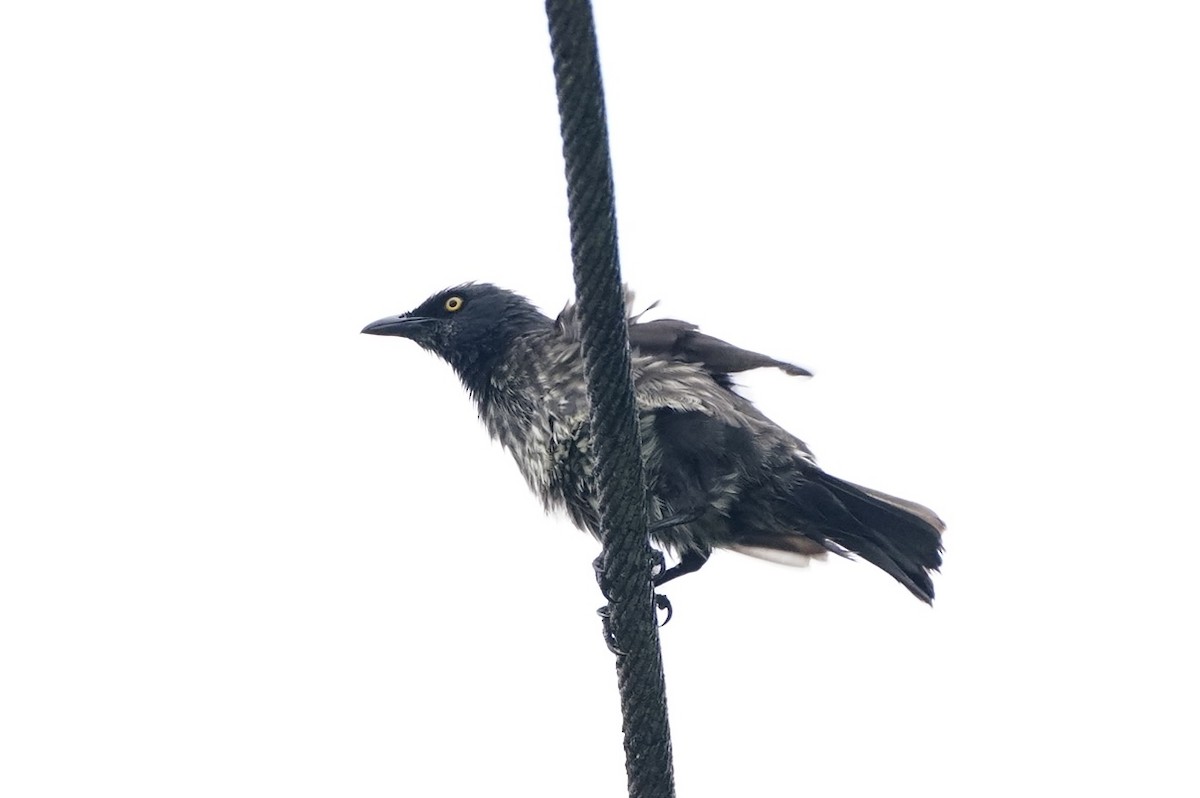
(900, 537)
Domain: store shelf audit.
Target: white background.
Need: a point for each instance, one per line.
(247, 551)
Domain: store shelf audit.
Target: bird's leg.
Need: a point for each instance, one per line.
(659, 573)
(692, 560)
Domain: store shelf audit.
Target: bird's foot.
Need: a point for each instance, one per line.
(658, 564)
(661, 602)
(658, 567)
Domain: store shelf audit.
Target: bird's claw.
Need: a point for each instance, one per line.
(598, 565)
(661, 602)
(610, 640)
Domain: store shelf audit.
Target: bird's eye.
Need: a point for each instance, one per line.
(454, 303)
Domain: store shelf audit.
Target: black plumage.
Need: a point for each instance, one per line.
(720, 474)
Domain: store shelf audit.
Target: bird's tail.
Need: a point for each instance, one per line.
(901, 537)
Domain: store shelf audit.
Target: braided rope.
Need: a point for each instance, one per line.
(619, 478)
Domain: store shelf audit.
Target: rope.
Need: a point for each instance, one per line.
(620, 483)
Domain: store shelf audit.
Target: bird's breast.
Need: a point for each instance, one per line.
(548, 440)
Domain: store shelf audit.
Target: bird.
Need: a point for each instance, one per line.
(719, 473)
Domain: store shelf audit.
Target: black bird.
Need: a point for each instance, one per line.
(720, 474)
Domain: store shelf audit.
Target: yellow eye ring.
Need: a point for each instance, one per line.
(454, 303)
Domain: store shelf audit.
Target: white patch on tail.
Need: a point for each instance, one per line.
(793, 558)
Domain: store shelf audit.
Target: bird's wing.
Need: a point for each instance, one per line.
(673, 339)
(681, 341)
(695, 458)
(705, 433)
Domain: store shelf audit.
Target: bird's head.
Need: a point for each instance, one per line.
(470, 326)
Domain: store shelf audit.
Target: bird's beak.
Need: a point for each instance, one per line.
(404, 325)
